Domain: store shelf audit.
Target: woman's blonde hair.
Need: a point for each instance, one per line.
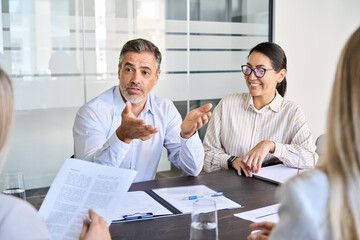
(341, 162)
(6, 113)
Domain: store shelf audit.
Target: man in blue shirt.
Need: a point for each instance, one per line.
(127, 127)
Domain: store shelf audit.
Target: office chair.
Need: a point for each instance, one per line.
(320, 144)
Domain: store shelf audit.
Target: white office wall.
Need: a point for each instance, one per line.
(313, 33)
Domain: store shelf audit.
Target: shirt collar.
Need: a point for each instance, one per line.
(249, 102)
(148, 104)
(120, 104)
(118, 100)
(274, 105)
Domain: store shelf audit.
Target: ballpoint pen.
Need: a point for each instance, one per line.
(218, 194)
(266, 215)
(88, 221)
(138, 216)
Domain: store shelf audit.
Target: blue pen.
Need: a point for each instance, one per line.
(138, 216)
(218, 194)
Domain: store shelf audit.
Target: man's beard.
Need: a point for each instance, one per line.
(133, 98)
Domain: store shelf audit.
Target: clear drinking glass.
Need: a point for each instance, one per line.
(204, 220)
(14, 185)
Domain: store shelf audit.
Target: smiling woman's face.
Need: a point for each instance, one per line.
(265, 86)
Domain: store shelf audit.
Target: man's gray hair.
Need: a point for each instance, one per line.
(141, 45)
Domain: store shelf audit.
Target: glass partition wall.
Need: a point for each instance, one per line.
(62, 53)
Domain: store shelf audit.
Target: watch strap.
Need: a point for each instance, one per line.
(230, 160)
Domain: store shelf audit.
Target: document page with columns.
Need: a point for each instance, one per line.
(79, 186)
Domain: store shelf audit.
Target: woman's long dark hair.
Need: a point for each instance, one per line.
(278, 60)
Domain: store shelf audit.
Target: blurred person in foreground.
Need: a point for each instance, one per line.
(324, 203)
(18, 219)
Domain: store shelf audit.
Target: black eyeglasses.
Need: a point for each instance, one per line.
(259, 72)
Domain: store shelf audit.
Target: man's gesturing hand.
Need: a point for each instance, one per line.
(132, 128)
(194, 120)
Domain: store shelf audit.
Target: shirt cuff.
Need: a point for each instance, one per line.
(223, 161)
(115, 142)
(280, 150)
(118, 147)
(191, 143)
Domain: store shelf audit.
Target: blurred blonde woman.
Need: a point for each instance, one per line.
(18, 219)
(325, 203)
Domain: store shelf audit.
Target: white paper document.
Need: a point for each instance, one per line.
(269, 213)
(276, 173)
(78, 186)
(139, 202)
(178, 197)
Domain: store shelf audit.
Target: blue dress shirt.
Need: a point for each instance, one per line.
(95, 137)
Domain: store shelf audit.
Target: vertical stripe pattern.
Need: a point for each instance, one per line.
(236, 126)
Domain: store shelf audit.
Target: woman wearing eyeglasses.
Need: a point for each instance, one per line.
(249, 129)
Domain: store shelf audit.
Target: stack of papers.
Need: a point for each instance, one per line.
(139, 203)
(167, 202)
(269, 213)
(178, 197)
(276, 173)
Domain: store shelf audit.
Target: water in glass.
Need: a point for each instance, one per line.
(203, 230)
(16, 192)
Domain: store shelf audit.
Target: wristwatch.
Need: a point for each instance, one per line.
(230, 160)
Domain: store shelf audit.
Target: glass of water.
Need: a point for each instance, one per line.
(204, 220)
(14, 185)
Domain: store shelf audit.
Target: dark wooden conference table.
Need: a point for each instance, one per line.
(252, 193)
